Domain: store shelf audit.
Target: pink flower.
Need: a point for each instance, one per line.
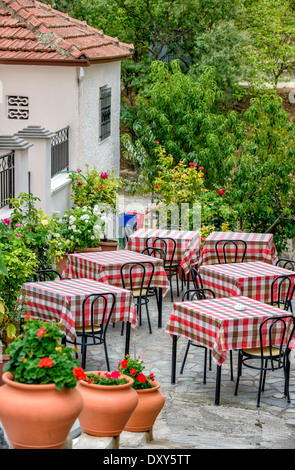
(79, 183)
(115, 374)
(79, 171)
(6, 221)
(156, 142)
(220, 191)
(104, 175)
(18, 225)
(18, 235)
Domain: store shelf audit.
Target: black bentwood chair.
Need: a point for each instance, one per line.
(94, 333)
(275, 354)
(286, 263)
(170, 264)
(227, 255)
(45, 275)
(197, 294)
(143, 272)
(282, 292)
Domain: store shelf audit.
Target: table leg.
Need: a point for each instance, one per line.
(127, 340)
(160, 307)
(218, 381)
(174, 348)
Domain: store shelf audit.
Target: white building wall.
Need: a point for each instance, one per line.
(105, 155)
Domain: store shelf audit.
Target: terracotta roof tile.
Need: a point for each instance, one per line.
(32, 30)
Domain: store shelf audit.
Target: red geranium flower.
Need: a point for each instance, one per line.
(156, 142)
(45, 362)
(115, 374)
(220, 191)
(201, 168)
(133, 371)
(156, 187)
(124, 363)
(141, 377)
(41, 332)
(79, 373)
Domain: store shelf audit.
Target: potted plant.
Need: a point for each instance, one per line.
(41, 378)
(108, 402)
(150, 399)
(97, 189)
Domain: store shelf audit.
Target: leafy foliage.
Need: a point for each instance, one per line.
(134, 368)
(37, 356)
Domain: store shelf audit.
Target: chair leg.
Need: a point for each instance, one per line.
(259, 388)
(205, 367)
(231, 365)
(106, 355)
(239, 373)
(185, 356)
(83, 350)
(148, 318)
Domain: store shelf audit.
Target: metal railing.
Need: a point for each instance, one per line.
(7, 178)
(60, 151)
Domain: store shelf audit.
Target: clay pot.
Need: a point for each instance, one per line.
(61, 264)
(4, 358)
(110, 245)
(106, 408)
(37, 416)
(150, 403)
(90, 250)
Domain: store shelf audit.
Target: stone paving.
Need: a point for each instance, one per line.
(190, 419)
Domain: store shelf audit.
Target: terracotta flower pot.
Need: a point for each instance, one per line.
(150, 403)
(90, 250)
(106, 408)
(37, 416)
(4, 358)
(61, 264)
(109, 245)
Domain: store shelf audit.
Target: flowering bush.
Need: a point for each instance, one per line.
(37, 356)
(134, 368)
(95, 188)
(39, 231)
(82, 227)
(108, 378)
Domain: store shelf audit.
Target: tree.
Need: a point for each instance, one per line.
(270, 55)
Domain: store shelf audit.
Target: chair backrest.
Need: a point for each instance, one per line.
(45, 275)
(137, 275)
(168, 244)
(196, 278)
(282, 291)
(268, 335)
(105, 313)
(233, 246)
(286, 263)
(198, 294)
(155, 252)
(174, 227)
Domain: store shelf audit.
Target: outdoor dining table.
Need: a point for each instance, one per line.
(252, 280)
(62, 300)
(187, 250)
(104, 266)
(217, 325)
(260, 247)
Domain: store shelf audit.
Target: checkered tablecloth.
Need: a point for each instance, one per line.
(216, 325)
(105, 267)
(249, 279)
(62, 301)
(187, 250)
(260, 247)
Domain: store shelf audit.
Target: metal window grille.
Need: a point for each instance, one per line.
(60, 151)
(17, 107)
(7, 179)
(105, 113)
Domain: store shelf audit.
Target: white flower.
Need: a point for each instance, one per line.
(73, 227)
(92, 237)
(84, 217)
(72, 219)
(44, 222)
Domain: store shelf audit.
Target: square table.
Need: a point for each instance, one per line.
(215, 324)
(104, 266)
(61, 300)
(249, 279)
(187, 250)
(260, 247)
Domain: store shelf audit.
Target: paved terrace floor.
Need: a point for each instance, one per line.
(190, 419)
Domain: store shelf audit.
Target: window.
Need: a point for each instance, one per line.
(105, 112)
(17, 107)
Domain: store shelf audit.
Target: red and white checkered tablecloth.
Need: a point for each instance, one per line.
(216, 325)
(249, 279)
(187, 250)
(260, 247)
(105, 267)
(62, 301)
